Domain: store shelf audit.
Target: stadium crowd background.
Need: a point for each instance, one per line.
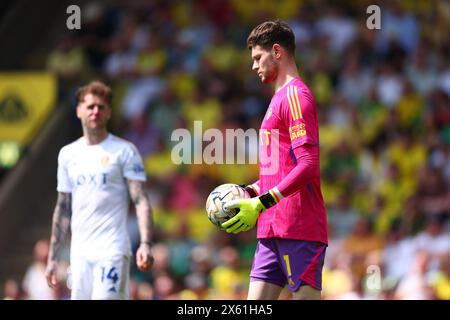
(384, 114)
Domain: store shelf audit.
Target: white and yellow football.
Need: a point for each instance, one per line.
(221, 194)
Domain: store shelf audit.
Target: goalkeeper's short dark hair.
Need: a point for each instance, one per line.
(270, 32)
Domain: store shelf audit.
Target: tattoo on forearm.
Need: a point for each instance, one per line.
(137, 191)
(61, 223)
(140, 199)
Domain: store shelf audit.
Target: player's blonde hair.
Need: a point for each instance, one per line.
(96, 88)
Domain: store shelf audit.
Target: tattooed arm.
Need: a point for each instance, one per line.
(61, 222)
(138, 194)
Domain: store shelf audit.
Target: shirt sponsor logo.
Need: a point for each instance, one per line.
(297, 131)
(264, 137)
(91, 179)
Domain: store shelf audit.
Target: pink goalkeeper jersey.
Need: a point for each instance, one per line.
(290, 122)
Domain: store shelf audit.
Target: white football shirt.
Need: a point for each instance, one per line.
(96, 177)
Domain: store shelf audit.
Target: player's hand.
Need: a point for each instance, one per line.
(51, 274)
(245, 219)
(144, 257)
(249, 190)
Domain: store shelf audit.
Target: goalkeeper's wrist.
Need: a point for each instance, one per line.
(270, 198)
(250, 189)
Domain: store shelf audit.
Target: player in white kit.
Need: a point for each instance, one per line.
(97, 175)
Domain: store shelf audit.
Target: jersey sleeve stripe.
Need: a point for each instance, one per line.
(294, 102)
(299, 108)
(291, 103)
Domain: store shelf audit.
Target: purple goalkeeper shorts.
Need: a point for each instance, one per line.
(287, 261)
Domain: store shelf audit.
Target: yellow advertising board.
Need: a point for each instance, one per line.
(26, 100)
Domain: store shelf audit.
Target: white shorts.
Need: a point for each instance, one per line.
(103, 279)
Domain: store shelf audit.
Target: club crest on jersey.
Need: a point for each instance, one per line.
(269, 113)
(104, 160)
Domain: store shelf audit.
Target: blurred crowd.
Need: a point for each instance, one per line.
(384, 111)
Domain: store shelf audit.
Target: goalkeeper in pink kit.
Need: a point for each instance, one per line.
(286, 203)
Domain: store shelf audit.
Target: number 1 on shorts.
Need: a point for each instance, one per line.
(288, 268)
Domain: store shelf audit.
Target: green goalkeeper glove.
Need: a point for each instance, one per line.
(248, 212)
